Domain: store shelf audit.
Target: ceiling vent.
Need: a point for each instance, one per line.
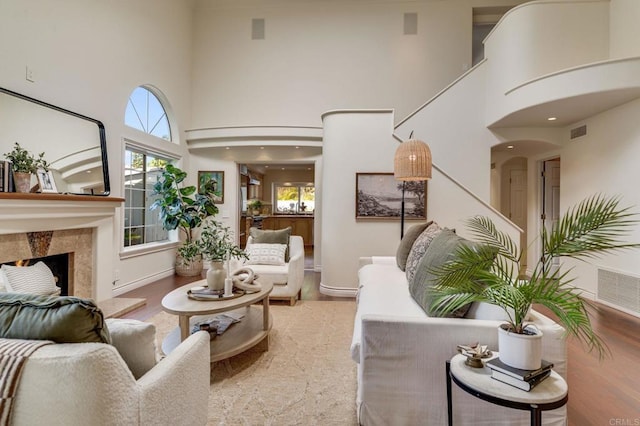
(579, 131)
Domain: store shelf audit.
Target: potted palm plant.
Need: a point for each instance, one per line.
(184, 209)
(490, 272)
(217, 246)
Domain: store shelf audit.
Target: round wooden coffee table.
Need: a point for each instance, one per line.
(252, 329)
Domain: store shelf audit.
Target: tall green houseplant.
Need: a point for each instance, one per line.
(490, 272)
(182, 208)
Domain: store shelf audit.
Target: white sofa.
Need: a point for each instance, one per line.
(287, 279)
(90, 383)
(401, 355)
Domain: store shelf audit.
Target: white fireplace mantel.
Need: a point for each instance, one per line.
(21, 213)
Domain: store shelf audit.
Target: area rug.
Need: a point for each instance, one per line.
(306, 378)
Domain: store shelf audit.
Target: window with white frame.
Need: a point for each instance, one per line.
(146, 113)
(142, 170)
(294, 197)
(143, 167)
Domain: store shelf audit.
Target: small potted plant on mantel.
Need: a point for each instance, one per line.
(24, 164)
(184, 209)
(217, 246)
(490, 272)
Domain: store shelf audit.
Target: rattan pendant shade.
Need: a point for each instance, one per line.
(412, 161)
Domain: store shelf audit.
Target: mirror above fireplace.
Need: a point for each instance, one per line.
(73, 144)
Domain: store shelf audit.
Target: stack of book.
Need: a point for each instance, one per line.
(522, 379)
(6, 177)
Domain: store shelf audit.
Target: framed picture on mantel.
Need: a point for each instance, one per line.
(212, 185)
(46, 181)
(379, 196)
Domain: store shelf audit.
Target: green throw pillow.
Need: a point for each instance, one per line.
(270, 236)
(441, 250)
(407, 242)
(60, 319)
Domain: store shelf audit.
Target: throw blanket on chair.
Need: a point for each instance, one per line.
(13, 355)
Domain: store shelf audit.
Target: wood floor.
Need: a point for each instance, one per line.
(603, 393)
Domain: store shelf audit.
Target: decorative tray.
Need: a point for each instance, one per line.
(204, 293)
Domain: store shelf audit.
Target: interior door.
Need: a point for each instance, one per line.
(518, 197)
(551, 198)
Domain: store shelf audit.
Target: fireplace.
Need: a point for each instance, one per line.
(68, 253)
(59, 265)
(83, 226)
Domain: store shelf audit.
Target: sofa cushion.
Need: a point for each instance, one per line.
(265, 254)
(278, 274)
(404, 248)
(383, 291)
(60, 319)
(441, 250)
(136, 343)
(270, 236)
(35, 279)
(419, 248)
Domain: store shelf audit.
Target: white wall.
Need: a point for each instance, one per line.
(453, 124)
(538, 38)
(319, 56)
(624, 28)
(605, 161)
(348, 134)
(87, 56)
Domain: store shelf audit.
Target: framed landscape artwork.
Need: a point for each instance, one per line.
(379, 196)
(212, 185)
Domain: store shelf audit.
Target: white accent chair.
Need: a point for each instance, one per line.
(287, 279)
(92, 383)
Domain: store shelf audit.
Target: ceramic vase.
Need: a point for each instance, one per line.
(522, 351)
(22, 181)
(216, 275)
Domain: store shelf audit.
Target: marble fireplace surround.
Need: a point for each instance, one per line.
(78, 243)
(82, 225)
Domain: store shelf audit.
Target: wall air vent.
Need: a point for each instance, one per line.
(579, 131)
(257, 29)
(619, 290)
(410, 23)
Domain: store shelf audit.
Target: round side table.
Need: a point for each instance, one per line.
(550, 394)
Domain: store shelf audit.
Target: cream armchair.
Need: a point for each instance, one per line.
(92, 383)
(287, 279)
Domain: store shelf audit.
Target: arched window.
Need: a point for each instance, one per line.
(143, 166)
(146, 113)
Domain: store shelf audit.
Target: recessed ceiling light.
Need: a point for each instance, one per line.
(227, 147)
(297, 147)
(262, 147)
(552, 118)
(509, 146)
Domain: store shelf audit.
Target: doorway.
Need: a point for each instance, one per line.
(550, 197)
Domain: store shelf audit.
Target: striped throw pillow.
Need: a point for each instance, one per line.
(36, 279)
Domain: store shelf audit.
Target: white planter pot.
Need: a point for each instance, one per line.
(522, 351)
